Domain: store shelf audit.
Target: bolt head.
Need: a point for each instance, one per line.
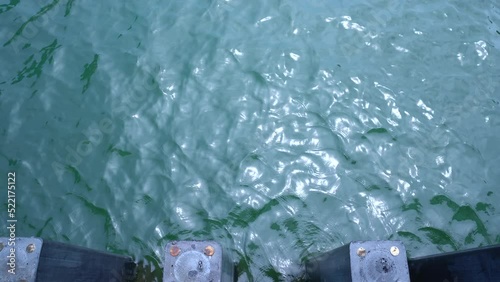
(209, 251)
(175, 251)
(30, 248)
(361, 252)
(394, 250)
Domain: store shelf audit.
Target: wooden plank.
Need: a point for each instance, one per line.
(63, 262)
(479, 265)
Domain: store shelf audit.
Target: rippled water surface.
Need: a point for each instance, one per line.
(279, 128)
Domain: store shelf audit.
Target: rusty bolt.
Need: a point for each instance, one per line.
(209, 251)
(30, 248)
(361, 252)
(174, 251)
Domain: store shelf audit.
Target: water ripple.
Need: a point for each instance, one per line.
(280, 129)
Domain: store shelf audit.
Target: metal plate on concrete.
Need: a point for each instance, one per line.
(19, 258)
(379, 261)
(196, 261)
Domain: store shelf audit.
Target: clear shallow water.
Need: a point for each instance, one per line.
(280, 128)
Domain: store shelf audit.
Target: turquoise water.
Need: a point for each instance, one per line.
(279, 128)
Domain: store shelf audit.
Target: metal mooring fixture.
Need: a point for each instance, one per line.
(200, 261)
(19, 259)
(361, 261)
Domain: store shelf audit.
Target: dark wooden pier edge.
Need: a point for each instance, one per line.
(33, 259)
